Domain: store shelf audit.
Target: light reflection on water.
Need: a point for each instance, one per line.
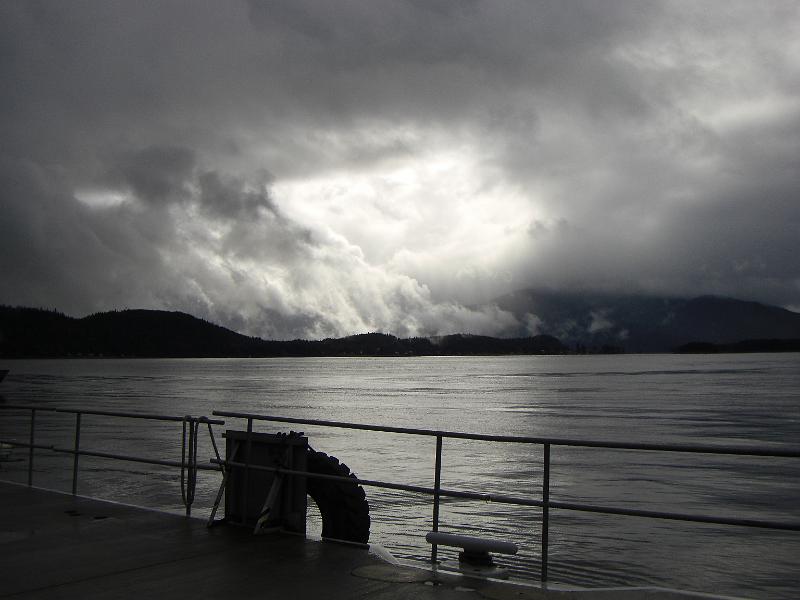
(747, 399)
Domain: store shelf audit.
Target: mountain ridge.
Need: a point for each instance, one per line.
(568, 322)
(37, 333)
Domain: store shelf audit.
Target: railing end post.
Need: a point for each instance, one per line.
(437, 486)
(545, 509)
(77, 453)
(30, 450)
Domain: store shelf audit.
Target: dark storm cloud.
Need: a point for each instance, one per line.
(155, 174)
(59, 254)
(227, 197)
(311, 168)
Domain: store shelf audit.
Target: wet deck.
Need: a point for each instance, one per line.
(54, 545)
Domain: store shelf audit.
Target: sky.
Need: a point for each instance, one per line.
(312, 169)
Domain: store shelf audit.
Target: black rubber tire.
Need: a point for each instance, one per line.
(343, 505)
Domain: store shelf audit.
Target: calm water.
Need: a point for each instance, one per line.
(746, 399)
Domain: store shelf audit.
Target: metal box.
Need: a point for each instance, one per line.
(248, 488)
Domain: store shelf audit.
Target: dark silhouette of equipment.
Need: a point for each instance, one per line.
(265, 488)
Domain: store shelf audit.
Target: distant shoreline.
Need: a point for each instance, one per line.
(35, 333)
(717, 349)
(28, 333)
(742, 347)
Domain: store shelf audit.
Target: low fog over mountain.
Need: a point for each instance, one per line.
(648, 324)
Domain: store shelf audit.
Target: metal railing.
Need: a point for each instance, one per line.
(188, 463)
(545, 503)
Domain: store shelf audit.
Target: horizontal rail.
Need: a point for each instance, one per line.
(516, 500)
(138, 459)
(152, 417)
(112, 413)
(26, 445)
(653, 514)
(368, 482)
(692, 448)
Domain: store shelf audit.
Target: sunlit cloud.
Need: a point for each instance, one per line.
(443, 210)
(100, 199)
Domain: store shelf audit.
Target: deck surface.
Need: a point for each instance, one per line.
(54, 545)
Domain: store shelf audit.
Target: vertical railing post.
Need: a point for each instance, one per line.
(30, 449)
(77, 453)
(189, 470)
(545, 510)
(437, 484)
(246, 475)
